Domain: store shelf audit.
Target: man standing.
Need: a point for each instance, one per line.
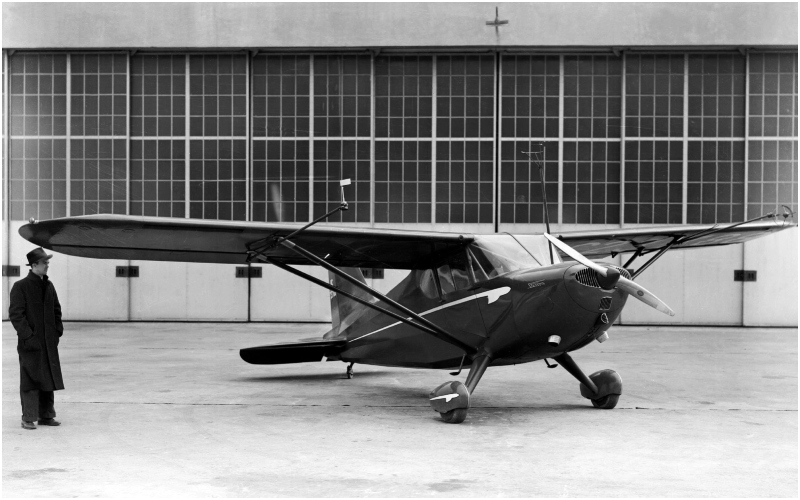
(36, 315)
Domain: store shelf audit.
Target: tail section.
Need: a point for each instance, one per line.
(344, 310)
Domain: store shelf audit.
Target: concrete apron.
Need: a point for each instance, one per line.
(169, 409)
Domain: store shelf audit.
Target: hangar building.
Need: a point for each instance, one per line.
(647, 114)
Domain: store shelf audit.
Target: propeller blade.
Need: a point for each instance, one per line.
(638, 291)
(576, 255)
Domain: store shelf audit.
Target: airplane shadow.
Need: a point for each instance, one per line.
(316, 376)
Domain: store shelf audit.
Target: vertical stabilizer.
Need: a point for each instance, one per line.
(344, 310)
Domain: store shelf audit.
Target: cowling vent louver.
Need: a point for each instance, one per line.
(588, 277)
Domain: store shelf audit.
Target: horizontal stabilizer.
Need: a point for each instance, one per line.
(300, 352)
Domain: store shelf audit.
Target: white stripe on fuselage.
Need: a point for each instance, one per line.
(492, 295)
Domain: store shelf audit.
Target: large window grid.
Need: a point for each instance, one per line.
(98, 133)
(37, 135)
(403, 181)
(592, 96)
(342, 90)
(345, 159)
(715, 93)
(465, 96)
(281, 188)
(530, 87)
(520, 186)
(157, 177)
(281, 179)
(653, 182)
(158, 96)
(403, 96)
(464, 182)
(772, 163)
(772, 176)
(716, 181)
(591, 182)
(98, 176)
(654, 95)
(218, 152)
(281, 90)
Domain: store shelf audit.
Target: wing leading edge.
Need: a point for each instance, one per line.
(225, 242)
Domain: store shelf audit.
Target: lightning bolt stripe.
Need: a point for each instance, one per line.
(492, 295)
(446, 397)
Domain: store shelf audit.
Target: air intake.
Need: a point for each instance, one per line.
(624, 272)
(605, 303)
(587, 277)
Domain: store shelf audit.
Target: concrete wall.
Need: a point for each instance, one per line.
(384, 24)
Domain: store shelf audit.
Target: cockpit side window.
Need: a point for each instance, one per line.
(454, 274)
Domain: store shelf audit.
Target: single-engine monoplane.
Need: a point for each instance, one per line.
(468, 300)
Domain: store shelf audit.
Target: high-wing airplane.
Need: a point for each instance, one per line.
(468, 300)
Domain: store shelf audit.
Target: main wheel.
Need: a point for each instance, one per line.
(455, 416)
(606, 402)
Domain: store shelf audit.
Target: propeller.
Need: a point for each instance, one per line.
(608, 278)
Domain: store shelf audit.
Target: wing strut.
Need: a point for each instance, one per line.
(432, 328)
(683, 239)
(332, 288)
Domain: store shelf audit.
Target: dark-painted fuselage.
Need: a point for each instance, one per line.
(522, 316)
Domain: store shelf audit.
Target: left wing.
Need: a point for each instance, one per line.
(610, 242)
(226, 242)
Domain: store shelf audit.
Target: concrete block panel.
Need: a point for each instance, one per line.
(697, 284)
(771, 300)
(281, 296)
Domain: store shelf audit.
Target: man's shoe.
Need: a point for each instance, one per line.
(28, 425)
(49, 421)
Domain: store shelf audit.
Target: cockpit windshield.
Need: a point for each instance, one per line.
(498, 254)
(539, 247)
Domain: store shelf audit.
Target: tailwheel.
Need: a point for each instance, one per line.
(454, 416)
(606, 402)
(350, 370)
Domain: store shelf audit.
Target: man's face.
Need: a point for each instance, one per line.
(40, 268)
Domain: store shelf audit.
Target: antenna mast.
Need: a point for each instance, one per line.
(540, 163)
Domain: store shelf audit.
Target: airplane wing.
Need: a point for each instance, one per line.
(609, 242)
(226, 242)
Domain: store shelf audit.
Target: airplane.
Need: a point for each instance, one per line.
(468, 300)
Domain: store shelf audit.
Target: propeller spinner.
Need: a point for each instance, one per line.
(609, 278)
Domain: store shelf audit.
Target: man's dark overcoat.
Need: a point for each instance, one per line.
(34, 310)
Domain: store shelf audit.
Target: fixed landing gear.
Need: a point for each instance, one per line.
(451, 399)
(350, 370)
(603, 388)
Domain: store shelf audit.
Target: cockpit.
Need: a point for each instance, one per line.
(498, 254)
(487, 257)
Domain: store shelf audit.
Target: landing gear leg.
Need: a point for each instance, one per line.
(451, 399)
(350, 370)
(603, 388)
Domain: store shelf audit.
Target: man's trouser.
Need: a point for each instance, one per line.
(37, 405)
